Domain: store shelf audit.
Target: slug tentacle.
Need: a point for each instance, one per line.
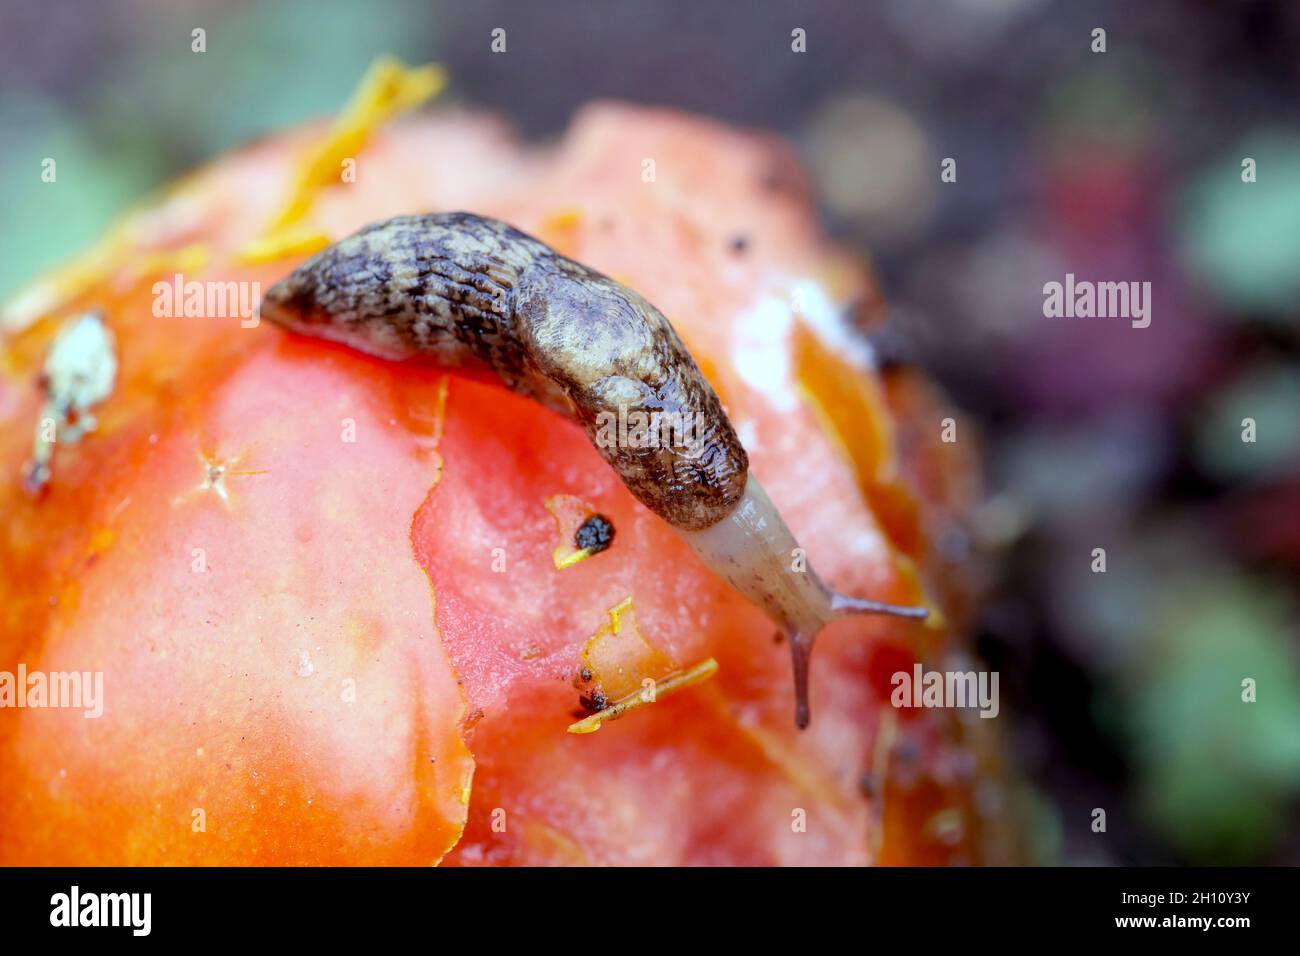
(754, 551)
(476, 294)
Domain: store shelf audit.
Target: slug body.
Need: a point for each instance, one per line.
(476, 294)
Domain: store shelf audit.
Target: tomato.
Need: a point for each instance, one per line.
(321, 588)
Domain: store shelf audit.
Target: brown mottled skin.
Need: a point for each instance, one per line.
(469, 292)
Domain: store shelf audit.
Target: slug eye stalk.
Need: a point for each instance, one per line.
(478, 295)
(752, 549)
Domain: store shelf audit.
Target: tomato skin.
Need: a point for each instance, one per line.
(230, 632)
(282, 556)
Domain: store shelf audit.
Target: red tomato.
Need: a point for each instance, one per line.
(320, 587)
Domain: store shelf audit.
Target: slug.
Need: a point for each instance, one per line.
(475, 294)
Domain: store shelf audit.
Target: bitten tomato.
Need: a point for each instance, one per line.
(322, 589)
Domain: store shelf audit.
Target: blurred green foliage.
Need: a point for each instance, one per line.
(1217, 776)
(1270, 396)
(161, 108)
(1240, 240)
(43, 221)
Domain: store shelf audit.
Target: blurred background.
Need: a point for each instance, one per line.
(1123, 689)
